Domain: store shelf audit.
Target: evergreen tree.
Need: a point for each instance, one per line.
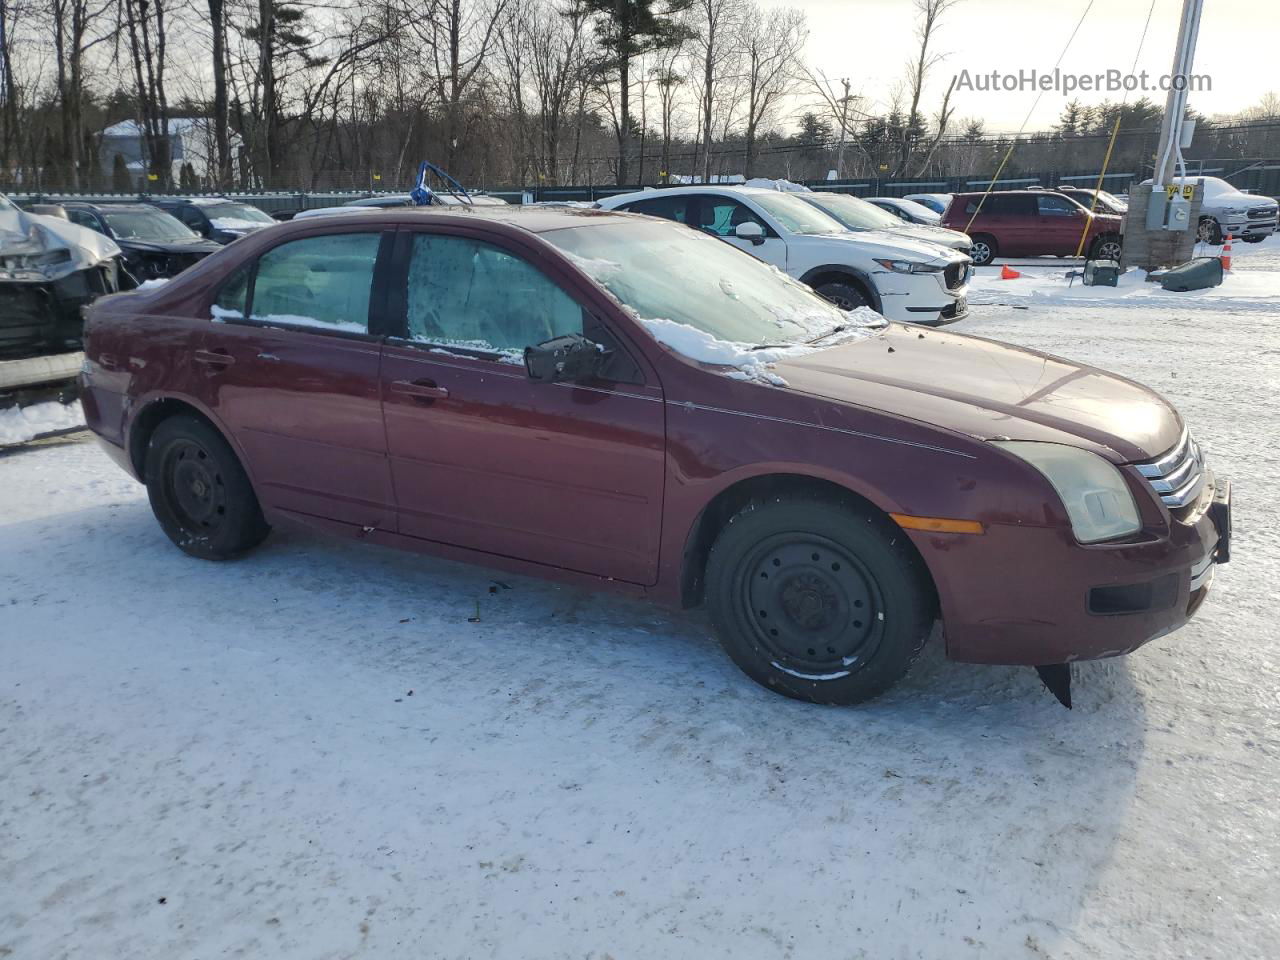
(625, 29)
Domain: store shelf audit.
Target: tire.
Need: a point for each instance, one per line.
(984, 249)
(1107, 247)
(841, 629)
(845, 295)
(1209, 231)
(199, 492)
(1256, 238)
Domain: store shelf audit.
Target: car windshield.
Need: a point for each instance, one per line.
(241, 212)
(796, 215)
(853, 212)
(146, 225)
(664, 271)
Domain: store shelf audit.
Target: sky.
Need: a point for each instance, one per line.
(870, 42)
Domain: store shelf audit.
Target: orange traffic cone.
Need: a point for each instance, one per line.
(1226, 254)
(1008, 273)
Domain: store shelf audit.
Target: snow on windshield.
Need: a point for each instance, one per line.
(708, 300)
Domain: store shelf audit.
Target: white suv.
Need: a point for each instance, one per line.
(906, 280)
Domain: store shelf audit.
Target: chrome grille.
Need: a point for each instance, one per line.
(1178, 476)
(1261, 213)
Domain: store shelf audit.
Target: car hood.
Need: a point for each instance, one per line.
(893, 245)
(39, 249)
(169, 246)
(943, 236)
(990, 391)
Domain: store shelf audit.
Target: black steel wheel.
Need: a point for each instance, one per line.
(846, 296)
(818, 600)
(814, 606)
(199, 492)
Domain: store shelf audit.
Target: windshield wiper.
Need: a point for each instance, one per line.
(838, 328)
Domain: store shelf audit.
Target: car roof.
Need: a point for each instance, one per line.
(736, 189)
(104, 207)
(531, 219)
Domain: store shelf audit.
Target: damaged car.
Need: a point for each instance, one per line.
(623, 402)
(49, 269)
(155, 245)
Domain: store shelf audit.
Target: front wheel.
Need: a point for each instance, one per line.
(1209, 231)
(818, 601)
(199, 492)
(1255, 238)
(846, 296)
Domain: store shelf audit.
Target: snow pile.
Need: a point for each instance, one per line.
(20, 424)
(785, 186)
(752, 361)
(152, 284)
(235, 223)
(1247, 290)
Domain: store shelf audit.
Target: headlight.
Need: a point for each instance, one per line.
(909, 266)
(1096, 497)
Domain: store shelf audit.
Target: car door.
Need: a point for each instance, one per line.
(290, 365)
(720, 216)
(564, 474)
(1060, 224)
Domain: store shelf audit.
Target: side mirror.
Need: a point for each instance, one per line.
(571, 357)
(750, 231)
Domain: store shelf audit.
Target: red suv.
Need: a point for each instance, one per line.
(1031, 223)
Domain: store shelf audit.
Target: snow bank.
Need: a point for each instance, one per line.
(20, 424)
(1240, 290)
(752, 361)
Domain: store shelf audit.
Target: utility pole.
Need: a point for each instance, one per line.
(1175, 106)
(844, 102)
(1162, 221)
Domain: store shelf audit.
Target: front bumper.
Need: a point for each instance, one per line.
(1022, 595)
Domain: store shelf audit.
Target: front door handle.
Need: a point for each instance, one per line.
(213, 358)
(419, 389)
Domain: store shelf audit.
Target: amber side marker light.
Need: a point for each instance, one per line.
(936, 524)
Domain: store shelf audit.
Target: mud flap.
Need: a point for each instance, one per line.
(1057, 677)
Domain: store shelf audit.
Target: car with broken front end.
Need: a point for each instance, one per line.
(618, 402)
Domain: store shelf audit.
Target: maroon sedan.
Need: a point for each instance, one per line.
(611, 400)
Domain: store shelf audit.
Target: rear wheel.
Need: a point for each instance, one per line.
(1107, 247)
(1209, 231)
(199, 492)
(844, 294)
(818, 601)
(984, 249)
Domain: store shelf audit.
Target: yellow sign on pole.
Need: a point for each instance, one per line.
(377, 176)
(1188, 190)
(153, 177)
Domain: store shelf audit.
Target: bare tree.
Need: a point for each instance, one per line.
(771, 47)
(144, 22)
(930, 13)
(78, 27)
(715, 24)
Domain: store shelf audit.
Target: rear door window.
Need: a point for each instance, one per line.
(317, 282)
(668, 208)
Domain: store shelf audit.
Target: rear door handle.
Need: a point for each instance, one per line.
(419, 389)
(213, 358)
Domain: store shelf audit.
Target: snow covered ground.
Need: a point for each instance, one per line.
(1251, 284)
(312, 753)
